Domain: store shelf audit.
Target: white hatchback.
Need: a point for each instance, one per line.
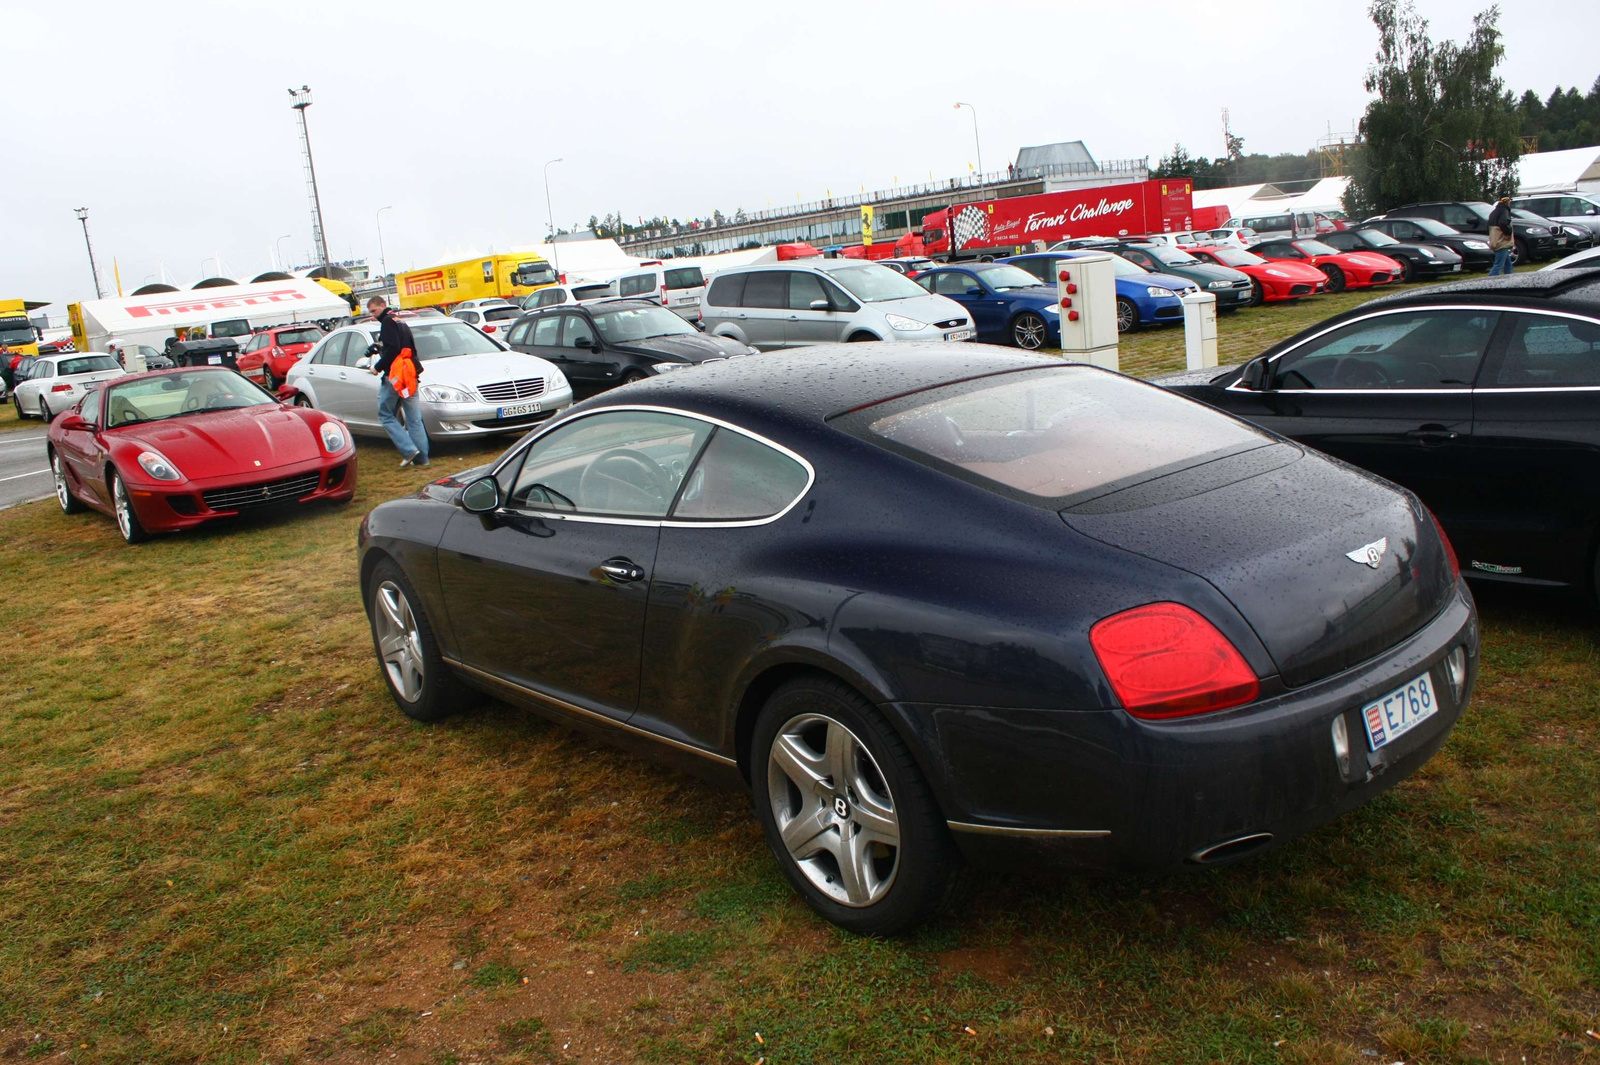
(58, 381)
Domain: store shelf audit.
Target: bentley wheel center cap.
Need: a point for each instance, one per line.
(841, 808)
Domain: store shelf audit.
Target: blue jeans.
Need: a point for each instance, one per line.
(1502, 262)
(412, 437)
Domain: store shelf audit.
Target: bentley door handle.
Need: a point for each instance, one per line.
(622, 570)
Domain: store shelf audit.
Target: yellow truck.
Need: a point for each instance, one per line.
(508, 276)
(16, 330)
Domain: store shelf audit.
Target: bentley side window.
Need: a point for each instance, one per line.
(618, 463)
(740, 479)
(1549, 352)
(1411, 350)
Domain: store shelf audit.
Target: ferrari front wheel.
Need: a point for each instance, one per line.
(127, 519)
(70, 503)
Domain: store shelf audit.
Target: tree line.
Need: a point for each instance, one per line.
(1441, 124)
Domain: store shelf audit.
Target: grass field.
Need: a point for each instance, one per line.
(220, 842)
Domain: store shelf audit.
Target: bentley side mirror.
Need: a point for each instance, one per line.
(1255, 375)
(481, 496)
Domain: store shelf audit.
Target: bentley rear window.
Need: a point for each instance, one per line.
(1053, 436)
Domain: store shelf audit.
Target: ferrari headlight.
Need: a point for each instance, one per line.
(159, 466)
(904, 324)
(1159, 293)
(333, 438)
(444, 394)
(1278, 273)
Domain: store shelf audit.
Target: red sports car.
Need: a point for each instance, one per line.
(172, 449)
(267, 356)
(1343, 269)
(1272, 281)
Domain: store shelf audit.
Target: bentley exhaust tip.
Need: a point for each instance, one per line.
(1228, 850)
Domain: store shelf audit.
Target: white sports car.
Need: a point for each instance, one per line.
(58, 381)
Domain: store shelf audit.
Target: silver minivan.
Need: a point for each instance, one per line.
(821, 301)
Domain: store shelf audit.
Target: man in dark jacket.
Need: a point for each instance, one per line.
(395, 342)
(1502, 239)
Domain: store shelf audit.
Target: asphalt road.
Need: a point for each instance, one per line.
(24, 474)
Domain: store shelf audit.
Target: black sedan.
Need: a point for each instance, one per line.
(1472, 247)
(1416, 261)
(615, 342)
(1478, 396)
(926, 604)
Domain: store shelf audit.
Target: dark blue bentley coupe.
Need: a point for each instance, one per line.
(929, 603)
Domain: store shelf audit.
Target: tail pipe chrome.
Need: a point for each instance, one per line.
(1229, 849)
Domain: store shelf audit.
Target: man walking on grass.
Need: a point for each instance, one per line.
(395, 345)
(1501, 238)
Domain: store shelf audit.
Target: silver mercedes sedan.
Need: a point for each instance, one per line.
(470, 384)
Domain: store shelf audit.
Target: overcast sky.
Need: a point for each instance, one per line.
(171, 123)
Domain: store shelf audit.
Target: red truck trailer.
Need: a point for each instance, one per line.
(996, 227)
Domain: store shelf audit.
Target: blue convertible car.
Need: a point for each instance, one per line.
(1008, 306)
(1143, 298)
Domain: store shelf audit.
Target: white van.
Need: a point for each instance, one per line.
(677, 288)
(1276, 225)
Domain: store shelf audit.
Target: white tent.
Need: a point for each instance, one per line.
(1329, 192)
(1233, 198)
(152, 319)
(1569, 170)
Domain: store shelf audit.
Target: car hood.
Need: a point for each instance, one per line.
(1294, 271)
(1174, 282)
(929, 308)
(217, 443)
(1206, 272)
(687, 348)
(471, 371)
(1292, 569)
(1435, 251)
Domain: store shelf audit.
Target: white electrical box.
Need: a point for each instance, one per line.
(1086, 290)
(1199, 329)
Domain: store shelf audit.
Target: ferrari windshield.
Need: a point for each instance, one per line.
(173, 395)
(1315, 247)
(627, 324)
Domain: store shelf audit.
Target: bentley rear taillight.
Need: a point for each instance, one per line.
(1165, 661)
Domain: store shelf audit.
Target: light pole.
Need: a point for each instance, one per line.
(975, 143)
(83, 216)
(319, 236)
(555, 256)
(277, 250)
(203, 274)
(383, 263)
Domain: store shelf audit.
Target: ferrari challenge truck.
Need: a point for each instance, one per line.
(1005, 227)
